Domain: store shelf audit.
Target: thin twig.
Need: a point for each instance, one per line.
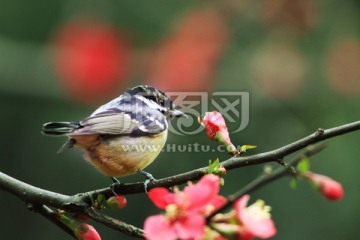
(51, 216)
(267, 178)
(232, 163)
(113, 223)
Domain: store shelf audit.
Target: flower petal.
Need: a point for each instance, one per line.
(240, 204)
(191, 227)
(255, 219)
(216, 202)
(161, 197)
(158, 228)
(261, 228)
(202, 193)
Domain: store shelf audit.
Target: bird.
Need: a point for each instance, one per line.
(123, 136)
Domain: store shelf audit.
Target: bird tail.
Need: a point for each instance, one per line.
(59, 128)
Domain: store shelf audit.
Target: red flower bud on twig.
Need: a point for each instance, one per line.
(216, 129)
(85, 231)
(329, 188)
(116, 202)
(82, 231)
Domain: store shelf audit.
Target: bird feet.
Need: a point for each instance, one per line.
(149, 178)
(116, 183)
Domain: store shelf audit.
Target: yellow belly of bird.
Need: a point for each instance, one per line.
(121, 155)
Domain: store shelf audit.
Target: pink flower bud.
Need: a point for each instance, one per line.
(216, 129)
(330, 188)
(116, 202)
(85, 231)
(82, 231)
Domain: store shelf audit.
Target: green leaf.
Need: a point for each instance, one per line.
(294, 183)
(213, 165)
(303, 166)
(243, 148)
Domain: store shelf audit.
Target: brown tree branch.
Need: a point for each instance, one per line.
(234, 162)
(39, 199)
(35, 195)
(80, 203)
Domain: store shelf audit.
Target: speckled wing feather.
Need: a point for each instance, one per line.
(130, 115)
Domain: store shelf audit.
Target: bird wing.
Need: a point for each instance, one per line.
(127, 117)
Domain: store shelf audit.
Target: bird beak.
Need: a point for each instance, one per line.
(177, 113)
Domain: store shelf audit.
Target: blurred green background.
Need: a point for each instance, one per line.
(299, 60)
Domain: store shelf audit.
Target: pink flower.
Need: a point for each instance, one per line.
(185, 211)
(255, 220)
(91, 60)
(160, 227)
(85, 231)
(330, 188)
(216, 129)
(188, 56)
(116, 202)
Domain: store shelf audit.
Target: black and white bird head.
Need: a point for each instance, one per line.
(155, 99)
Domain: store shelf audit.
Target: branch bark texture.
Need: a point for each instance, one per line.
(40, 200)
